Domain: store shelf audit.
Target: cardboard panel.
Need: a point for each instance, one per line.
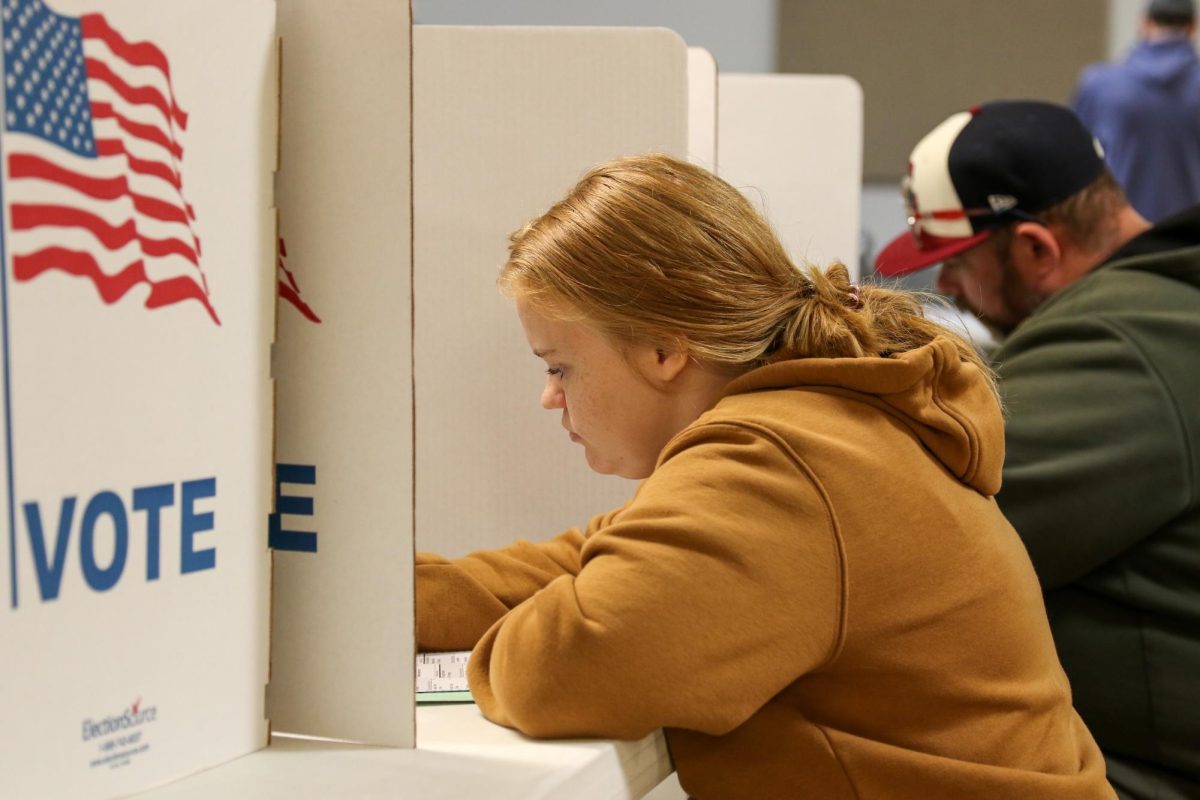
(342, 626)
(793, 145)
(137, 299)
(702, 108)
(506, 120)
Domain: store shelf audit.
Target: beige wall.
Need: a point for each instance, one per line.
(919, 61)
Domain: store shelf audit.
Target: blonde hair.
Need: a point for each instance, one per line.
(650, 249)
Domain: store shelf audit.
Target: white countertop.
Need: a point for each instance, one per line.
(459, 755)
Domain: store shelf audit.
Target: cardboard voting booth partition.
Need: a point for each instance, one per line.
(136, 313)
(793, 145)
(506, 120)
(342, 631)
(702, 108)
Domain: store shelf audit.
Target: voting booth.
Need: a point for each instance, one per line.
(793, 145)
(254, 355)
(136, 315)
(702, 108)
(342, 531)
(505, 121)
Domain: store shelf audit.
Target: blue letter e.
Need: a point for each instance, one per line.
(191, 523)
(278, 537)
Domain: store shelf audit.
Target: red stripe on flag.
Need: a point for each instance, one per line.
(139, 54)
(22, 165)
(289, 294)
(111, 287)
(176, 290)
(142, 166)
(161, 248)
(289, 290)
(159, 209)
(137, 129)
(140, 95)
(29, 216)
(291, 279)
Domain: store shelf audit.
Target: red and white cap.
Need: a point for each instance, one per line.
(984, 168)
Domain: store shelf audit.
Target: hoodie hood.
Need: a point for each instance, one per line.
(1168, 249)
(1162, 62)
(947, 403)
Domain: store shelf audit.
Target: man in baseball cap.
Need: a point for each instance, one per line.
(985, 171)
(1101, 379)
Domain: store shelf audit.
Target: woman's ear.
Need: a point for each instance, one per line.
(661, 365)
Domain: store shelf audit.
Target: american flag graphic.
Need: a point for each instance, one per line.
(289, 290)
(95, 186)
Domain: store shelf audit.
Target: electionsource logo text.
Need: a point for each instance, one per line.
(135, 715)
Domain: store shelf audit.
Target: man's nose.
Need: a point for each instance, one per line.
(946, 283)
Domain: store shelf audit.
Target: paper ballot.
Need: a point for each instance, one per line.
(442, 677)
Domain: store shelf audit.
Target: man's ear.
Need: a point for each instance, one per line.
(1037, 255)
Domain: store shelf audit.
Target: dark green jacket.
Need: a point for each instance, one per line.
(1102, 482)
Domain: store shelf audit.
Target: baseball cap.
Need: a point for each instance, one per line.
(986, 167)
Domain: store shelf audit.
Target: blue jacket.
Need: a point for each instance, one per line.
(1146, 113)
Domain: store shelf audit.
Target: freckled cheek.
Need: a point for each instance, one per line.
(584, 415)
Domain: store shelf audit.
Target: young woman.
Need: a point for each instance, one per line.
(812, 590)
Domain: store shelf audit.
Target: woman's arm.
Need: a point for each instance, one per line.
(457, 600)
(716, 587)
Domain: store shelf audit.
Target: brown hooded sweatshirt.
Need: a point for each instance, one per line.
(814, 594)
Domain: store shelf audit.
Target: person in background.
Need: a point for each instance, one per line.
(1101, 382)
(794, 634)
(1145, 111)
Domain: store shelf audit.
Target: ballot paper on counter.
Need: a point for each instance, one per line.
(442, 677)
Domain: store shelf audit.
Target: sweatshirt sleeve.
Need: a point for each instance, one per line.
(716, 588)
(457, 600)
(1095, 450)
